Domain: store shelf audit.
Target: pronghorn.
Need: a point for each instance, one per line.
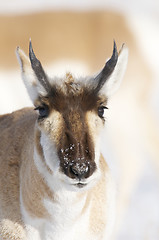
(85, 37)
(54, 183)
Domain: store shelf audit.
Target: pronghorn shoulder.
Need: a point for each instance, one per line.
(13, 125)
(11, 118)
(14, 130)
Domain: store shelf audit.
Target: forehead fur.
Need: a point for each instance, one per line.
(71, 93)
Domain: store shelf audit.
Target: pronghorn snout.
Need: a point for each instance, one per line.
(77, 158)
(75, 165)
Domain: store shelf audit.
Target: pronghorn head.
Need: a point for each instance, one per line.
(71, 115)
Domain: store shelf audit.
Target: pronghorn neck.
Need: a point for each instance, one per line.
(33, 188)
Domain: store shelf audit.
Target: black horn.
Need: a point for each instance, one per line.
(101, 78)
(38, 69)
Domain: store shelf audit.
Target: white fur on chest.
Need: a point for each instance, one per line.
(66, 222)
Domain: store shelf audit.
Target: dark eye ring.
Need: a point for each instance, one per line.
(101, 111)
(43, 111)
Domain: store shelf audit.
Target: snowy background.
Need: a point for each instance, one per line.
(141, 218)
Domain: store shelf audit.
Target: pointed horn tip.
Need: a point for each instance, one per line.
(30, 46)
(30, 43)
(115, 51)
(115, 46)
(31, 51)
(32, 55)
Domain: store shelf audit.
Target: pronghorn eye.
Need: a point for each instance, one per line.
(101, 111)
(43, 111)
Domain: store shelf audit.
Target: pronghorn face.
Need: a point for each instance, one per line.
(71, 116)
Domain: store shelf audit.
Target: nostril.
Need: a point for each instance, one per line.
(74, 171)
(79, 171)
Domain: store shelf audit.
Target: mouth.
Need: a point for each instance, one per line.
(80, 185)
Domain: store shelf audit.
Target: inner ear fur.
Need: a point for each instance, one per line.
(23, 59)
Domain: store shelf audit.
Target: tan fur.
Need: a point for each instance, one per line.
(10, 214)
(97, 220)
(32, 194)
(16, 129)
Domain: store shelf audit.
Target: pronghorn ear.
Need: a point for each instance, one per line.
(28, 75)
(109, 79)
(32, 74)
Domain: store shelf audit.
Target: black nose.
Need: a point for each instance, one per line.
(79, 171)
